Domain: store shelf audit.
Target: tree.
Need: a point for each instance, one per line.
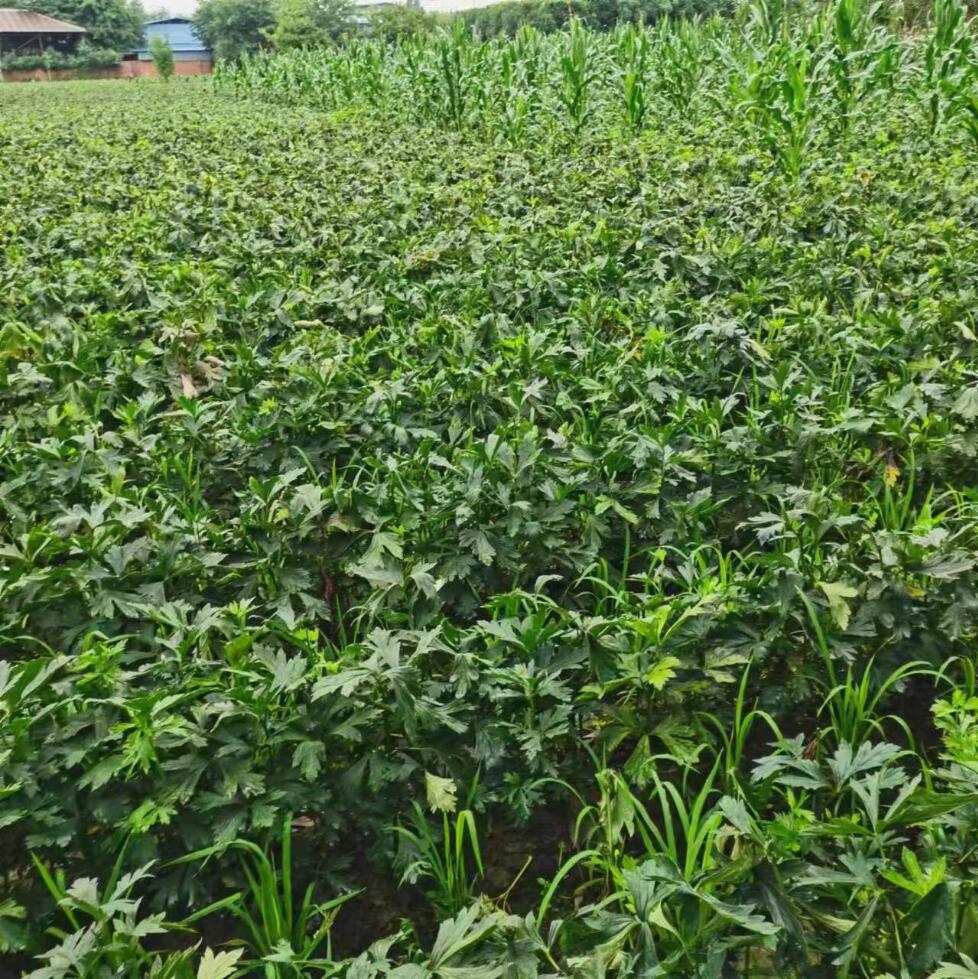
(311, 23)
(162, 55)
(232, 27)
(391, 23)
(115, 24)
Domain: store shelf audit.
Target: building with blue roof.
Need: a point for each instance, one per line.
(186, 43)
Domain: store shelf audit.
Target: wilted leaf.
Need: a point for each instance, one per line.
(440, 793)
(966, 404)
(837, 592)
(218, 966)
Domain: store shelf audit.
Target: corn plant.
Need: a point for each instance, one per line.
(451, 860)
(576, 76)
(779, 93)
(634, 53)
(666, 894)
(767, 21)
(678, 60)
(852, 65)
(734, 734)
(946, 59)
(516, 96)
(287, 937)
(455, 76)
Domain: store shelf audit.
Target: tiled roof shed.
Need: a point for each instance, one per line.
(14, 21)
(24, 32)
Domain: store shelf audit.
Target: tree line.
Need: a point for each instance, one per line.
(234, 27)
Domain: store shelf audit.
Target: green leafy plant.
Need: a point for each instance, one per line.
(107, 933)
(588, 412)
(162, 56)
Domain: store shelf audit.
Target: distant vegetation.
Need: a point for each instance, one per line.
(550, 15)
(162, 55)
(84, 57)
(235, 27)
(497, 508)
(116, 25)
(112, 26)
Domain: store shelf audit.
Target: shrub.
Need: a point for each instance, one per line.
(232, 27)
(162, 55)
(391, 23)
(85, 57)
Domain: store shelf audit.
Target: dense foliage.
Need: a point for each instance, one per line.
(162, 55)
(552, 15)
(115, 25)
(390, 23)
(542, 473)
(232, 27)
(84, 57)
(236, 27)
(310, 23)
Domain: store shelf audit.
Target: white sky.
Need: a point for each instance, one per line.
(179, 8)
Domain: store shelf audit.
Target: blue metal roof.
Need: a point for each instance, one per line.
(179, 31)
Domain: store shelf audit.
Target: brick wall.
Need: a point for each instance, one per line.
(125, 69)
(146, 69)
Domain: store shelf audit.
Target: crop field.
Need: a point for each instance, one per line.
(496, 510)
